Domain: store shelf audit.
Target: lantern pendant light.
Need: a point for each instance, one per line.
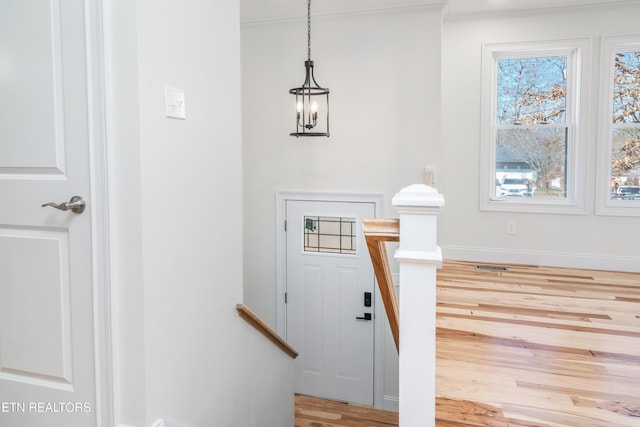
(312, 100)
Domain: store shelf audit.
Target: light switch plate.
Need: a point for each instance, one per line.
(430, 175)
(174, 103)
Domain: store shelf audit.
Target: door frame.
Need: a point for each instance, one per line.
(103, 325)
(282, 197)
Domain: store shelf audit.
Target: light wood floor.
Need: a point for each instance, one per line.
(533, 346)
(314, 412)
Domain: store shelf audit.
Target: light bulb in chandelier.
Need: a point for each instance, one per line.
(307, 114)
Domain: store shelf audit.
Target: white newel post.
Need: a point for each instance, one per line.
(418, 256)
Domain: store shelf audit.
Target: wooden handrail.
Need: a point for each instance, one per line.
(377, 232)
(265, 330)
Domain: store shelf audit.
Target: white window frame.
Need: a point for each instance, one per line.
(604, 205)
(577, 98)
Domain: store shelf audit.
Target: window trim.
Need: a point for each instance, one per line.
(604, 205)
(578, 90)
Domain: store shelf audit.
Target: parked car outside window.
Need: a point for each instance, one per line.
(629, 192)
(520, 187)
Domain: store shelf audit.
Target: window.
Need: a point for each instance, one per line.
(332, 235)
(619, 168)
(531, 150)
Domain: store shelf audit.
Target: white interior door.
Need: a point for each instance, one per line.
(328, 274)
(47, 372)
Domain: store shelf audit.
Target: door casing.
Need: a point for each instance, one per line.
(281, 309)
(98, 87)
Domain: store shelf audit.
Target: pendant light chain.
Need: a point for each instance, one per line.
(309, 30)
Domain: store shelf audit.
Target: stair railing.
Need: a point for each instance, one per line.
(251, 318)
(377, 232)
(418, 257)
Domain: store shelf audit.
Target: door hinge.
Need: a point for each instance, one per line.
(285, 297)
(285, 225)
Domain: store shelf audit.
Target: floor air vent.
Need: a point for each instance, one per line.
(491, 267)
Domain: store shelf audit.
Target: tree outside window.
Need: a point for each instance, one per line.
(531, 126)
(625, 138)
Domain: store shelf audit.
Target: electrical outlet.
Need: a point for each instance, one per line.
(511, 227)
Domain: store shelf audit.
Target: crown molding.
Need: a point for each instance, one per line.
(452, 17)
(392, 10)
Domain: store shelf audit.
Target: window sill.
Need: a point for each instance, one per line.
(533, 205)
(619, 208)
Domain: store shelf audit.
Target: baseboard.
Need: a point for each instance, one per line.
(546, 258)
(391, 403)
(165, 423)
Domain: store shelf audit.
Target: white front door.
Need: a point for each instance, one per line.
(330, 298)
(47, 360)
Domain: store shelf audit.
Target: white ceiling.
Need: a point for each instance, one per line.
(261, 10)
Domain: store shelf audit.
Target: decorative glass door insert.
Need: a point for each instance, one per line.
(333, 235)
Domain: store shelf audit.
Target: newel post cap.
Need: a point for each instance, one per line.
(418, 195)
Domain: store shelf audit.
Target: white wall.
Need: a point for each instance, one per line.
(383, 71)
(183, 353)
(587, 241)
(266, 395)
(191, 211)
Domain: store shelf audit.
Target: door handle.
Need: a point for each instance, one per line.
(75, 205)
(367, 316)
